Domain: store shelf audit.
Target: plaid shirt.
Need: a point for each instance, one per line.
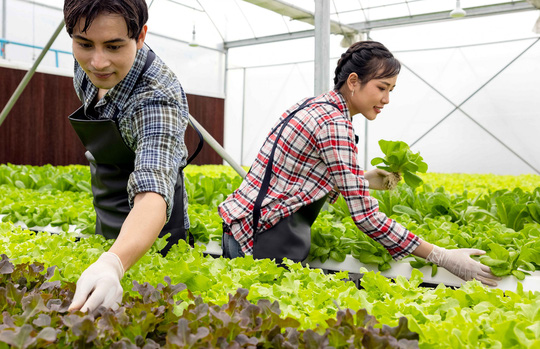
(152, 119)
(315, 153)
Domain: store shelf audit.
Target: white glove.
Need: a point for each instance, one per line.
(99, 284)
(382, 180)
(460, 263)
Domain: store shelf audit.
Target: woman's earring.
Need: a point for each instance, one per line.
(352, 93)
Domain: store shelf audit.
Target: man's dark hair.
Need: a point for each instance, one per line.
(135, 12)
(369, 60)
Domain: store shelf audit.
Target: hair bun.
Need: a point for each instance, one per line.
(365, 58)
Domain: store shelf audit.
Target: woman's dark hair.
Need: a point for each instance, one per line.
(135, 12)
(369, 60)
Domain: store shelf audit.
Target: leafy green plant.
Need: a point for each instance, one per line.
(74, 178)
(399, 158)
(205, 223)
(503, 262)
(34, 314)
(326, 239)
(472, 316)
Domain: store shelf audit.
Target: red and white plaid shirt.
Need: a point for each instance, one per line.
(315, 153)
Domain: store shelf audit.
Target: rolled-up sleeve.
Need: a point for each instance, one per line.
(159, 127)
(338, 151)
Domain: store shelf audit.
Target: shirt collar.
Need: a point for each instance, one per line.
(90, 92)
(336, 97)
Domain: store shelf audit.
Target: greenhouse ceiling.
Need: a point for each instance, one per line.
(223, 24)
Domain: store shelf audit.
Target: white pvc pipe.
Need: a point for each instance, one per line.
(218, 148)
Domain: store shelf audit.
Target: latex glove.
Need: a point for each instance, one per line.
(460, 263)
(99, 284)
(382, 180)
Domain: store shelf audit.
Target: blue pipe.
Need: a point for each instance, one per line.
(4, 42)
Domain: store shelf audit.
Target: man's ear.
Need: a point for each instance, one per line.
(142, 36)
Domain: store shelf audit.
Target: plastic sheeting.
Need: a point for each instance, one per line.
(440, 104)
(477, 65)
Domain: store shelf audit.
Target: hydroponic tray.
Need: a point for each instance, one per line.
(49, 228)
(403, 268)
(352, 265)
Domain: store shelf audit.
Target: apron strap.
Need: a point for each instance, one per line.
(269, 165)
(199, 146)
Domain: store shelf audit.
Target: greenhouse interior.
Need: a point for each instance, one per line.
(82, 265)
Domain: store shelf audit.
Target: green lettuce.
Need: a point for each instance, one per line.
(399, 158)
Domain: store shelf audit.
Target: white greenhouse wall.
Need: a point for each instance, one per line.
(445, 66)
(494, 131)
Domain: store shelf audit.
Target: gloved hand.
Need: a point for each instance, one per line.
(99, 284)
(380, 179)
(460, 263)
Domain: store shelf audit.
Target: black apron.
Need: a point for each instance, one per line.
(291, 236)
(111, 163)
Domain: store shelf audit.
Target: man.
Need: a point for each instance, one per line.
(132, 123)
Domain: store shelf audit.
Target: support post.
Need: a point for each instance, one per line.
(366, 134)
(322, 46)
(244, 93)
(4, 18)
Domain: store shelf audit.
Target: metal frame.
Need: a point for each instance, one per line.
(299, 14)
(323, 27)
(4, 43)
(4, 17)
(322, 46)
(26, 79)
(472, 12)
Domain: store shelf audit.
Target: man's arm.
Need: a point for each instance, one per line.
(141, 228)
(100, 284)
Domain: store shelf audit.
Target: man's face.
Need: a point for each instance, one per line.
(105, 51)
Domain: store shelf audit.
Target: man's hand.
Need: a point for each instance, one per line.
(99, 284)
(382, 180)
(460, 263)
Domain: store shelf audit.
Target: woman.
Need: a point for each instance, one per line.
(314, 159)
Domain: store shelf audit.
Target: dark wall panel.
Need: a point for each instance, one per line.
(37, 131)
(209, 113)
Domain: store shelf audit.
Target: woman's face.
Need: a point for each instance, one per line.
(370, 99)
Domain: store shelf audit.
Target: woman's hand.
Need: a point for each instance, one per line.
(382, 180)
(460, 263)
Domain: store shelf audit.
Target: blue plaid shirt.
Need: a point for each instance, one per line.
(152, 120)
